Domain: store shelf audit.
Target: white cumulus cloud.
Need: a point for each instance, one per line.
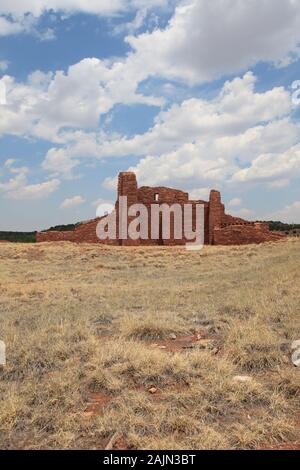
(74, 201)
(19, 16)
(240, 136)
(205, 40)
(47, 103)
(204, 140)
(97, 7)
(235, 202)
(18, 188)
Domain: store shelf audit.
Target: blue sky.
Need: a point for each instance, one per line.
(189, 94)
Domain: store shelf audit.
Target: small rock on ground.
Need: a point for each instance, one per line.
(2, 354)
(242, 378)
(296, 358)
(295, 344)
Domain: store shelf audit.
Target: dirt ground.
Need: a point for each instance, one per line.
(149, 348)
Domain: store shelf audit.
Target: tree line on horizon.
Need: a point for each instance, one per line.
(30, 237)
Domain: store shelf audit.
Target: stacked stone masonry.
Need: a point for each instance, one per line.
(219, 227)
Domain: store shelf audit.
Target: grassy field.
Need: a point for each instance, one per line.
(149, 347)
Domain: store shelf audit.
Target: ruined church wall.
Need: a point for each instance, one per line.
(244, 234)
(84, 233)
(220, 228)
(146, 195)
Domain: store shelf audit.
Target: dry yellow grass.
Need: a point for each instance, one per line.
(84, 323)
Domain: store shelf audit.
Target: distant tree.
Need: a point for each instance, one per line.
(18, 237)
(63, 228)
(281, 226)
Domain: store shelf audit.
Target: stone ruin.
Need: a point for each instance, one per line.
(219, 227)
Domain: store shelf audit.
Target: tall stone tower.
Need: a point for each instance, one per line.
(216, 213)
(127, 186)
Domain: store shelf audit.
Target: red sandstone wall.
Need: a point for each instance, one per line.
(228, 235)
(169, 196)
(127, 186)
(146, 195)
(230, 220)
(54, 237)
(245, 234)
(84, 233)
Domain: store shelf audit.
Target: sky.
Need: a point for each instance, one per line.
(190, 94)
